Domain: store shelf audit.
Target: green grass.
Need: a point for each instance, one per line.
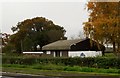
(56, 68)
(109, 55)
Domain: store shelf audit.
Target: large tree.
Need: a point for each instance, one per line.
(104, 23)
(34, 32)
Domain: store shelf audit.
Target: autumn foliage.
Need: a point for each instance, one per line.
(104, 23)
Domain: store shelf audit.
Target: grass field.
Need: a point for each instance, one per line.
(49, 69)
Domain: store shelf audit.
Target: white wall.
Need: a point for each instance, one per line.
(32, 52)
(86, 53)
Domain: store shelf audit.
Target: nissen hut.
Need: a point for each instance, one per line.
(72, 48)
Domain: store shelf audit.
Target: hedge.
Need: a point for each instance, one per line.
(99, 62)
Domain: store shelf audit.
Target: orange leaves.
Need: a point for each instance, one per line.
(90, 5)
(103, 21)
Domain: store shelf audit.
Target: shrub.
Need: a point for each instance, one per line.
(100, 62)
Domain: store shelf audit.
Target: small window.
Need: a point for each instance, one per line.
(48, 52)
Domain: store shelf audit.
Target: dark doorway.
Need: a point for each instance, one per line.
(57, 53)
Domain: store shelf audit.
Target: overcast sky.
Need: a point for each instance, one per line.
(70, 15)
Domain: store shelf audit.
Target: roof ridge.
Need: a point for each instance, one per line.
(76, 42)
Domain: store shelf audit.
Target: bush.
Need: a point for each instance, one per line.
(8, 49)
(108, 63)
(100, 62)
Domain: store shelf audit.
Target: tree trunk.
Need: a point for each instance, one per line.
(118, 48)
(103, 53)
(35, 48)
(114, 48)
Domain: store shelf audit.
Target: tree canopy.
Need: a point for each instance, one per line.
(104, 23)
(34, 32)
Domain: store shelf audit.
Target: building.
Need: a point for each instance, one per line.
(62, 48)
